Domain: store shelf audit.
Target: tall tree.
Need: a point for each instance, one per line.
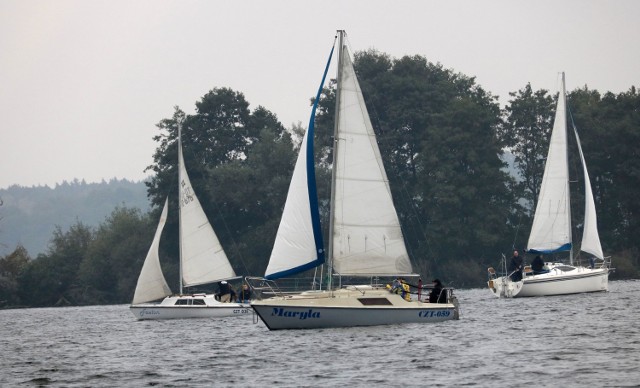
(609, 130)
(52, 279)
(526, 132)
(239, 164)
(437, 134)
(11, 267)
(114, 258)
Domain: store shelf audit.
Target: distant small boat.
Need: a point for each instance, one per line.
(551, 230)
(365, 235)
(202, 261)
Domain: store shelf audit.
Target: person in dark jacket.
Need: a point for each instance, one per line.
(537, 265)
(515, 267)
(224, 292)
(244, 296)
(437, 294)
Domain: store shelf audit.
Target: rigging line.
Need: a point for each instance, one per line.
(515, 236)
(233, 241)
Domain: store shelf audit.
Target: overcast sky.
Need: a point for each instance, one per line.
(83, 83)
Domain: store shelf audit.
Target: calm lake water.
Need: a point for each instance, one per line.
(576, 340)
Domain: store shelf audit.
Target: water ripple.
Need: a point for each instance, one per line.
(577, 340)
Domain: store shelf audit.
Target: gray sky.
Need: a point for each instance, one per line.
(83, 83)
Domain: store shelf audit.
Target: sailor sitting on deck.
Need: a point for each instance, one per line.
(537, 265)
(244, 294)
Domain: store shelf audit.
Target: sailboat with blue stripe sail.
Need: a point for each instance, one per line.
(551, 231)
(365, 238)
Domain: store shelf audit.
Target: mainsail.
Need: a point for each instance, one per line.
(151, 283)
(551, 229)
(201, 256)
(367, 239)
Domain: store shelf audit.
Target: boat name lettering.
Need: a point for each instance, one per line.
(281, 312)
(241, 311)
(144, 312)
(434, 313)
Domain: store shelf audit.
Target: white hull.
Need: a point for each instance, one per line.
(168, 309)
(357, 306)
(561, 280)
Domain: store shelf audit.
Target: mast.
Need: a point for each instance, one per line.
(180, 202)
(564, 99)
(333, 163)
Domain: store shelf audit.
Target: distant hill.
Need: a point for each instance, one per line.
(29, 215)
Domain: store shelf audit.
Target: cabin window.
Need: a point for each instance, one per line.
(182, 302)
(199, 302)
(375, 301)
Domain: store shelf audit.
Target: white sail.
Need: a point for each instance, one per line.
(367, 238)
(151, 283)
(551, 229)
(202, 258)
(295, 248)
(590, 237)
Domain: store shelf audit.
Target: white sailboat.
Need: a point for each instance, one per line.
(202, 261)
(551, 229)
(365, 239)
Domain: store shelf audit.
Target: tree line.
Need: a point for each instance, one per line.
(443, 139)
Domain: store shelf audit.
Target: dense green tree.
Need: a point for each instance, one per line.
(239, 163)
(249, 194)
(609, 128)
(114, 258)
(11, 267)
(52, 279)
(437, 134)
(526, 132)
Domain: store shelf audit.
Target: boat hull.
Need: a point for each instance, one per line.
(556, 282)
(344, 309)
(209, 307)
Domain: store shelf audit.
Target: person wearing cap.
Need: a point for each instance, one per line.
(437, 294)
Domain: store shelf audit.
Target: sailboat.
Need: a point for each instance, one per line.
(551, 229)
(365, 239)
(202, 261)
